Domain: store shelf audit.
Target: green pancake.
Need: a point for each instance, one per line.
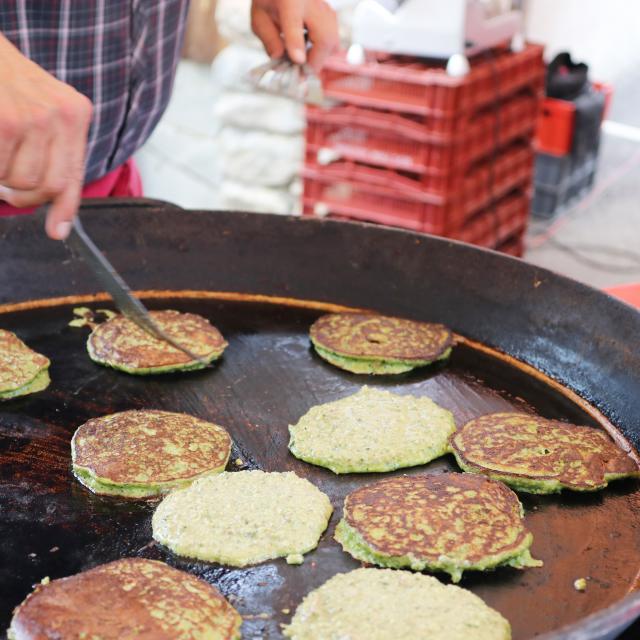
(372, 430)
(379, 604)
(121, 344)
(141, 454)
(451, 522)
(379, 345)
(536, 455)
(123, 600)
(22, 370)
(243, 518)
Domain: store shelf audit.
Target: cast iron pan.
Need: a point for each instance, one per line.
(530, 340)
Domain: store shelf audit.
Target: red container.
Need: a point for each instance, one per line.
(629, 293)
(407, 85)
(388, 197)
(403, 143)
(607, 89)
(554, 133)
(498, 223)
(556, 121)
(514, 246)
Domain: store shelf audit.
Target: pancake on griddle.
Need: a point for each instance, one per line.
(22, 370)
(123, 345)
(243, 518)
(451, 522)
(139, 454)
(376, 344)
(372, 430)
(126, 599)
(379, 604)
(536, 455)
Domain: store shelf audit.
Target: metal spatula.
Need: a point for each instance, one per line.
(117, 288)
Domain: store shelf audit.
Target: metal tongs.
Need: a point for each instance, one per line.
(282, 77)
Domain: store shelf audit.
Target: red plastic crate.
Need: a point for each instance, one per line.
(408, 85)
(554, 133)
(629, 293)
(403, 143)
(556, 121)
(498, 223)
(500, 226)
(607, 89)
(385, 196)
(514, 246)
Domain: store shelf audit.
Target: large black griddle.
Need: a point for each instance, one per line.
(262, 280)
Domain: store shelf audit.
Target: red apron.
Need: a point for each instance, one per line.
(124, 182)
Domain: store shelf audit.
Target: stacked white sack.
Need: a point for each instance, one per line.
(260, 142)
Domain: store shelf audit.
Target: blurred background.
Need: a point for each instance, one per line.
(511, 125)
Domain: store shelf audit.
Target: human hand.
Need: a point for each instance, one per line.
(43, 137)
(280, 25)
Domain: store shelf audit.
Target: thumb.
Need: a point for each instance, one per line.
(63, 210)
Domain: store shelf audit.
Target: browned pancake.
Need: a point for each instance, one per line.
(121, 344)
(450, 522)
(359, 335)
(19, 365)
(146, 453)
(540, 456)
(126, 599)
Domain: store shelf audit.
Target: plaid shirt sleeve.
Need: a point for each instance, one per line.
(121, 54)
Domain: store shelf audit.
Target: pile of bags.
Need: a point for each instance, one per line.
(261, 141)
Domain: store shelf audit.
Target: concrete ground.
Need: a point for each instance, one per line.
(596, 241)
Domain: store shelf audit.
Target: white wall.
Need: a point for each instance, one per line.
(603, 33)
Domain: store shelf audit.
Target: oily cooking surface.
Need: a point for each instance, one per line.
(268, 378)
(121, 342)
(401, 516)
(150, 446)
(130, 598)
(358, 334)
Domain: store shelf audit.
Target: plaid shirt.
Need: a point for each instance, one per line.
(121, 54)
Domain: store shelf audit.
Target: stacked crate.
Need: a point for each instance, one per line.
(407, 145)
(567, 148)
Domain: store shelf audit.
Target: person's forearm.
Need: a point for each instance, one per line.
(43, 136)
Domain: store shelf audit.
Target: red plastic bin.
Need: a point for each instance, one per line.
(607, 89)
(554, 133)
(498, 223)
(384, 196)
(399, 142)
(407, 85)
(556, 122)
(514, 246)
(629, 293)
(501, 226)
